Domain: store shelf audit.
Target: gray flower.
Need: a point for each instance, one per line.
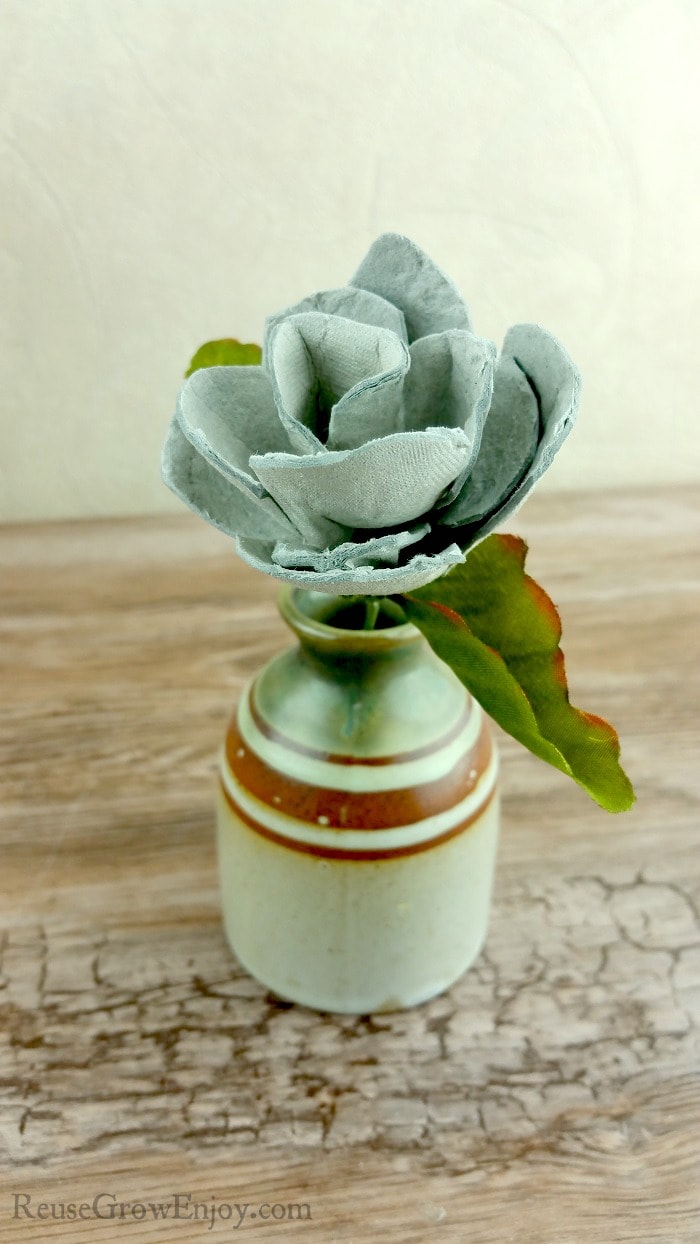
(380, 439)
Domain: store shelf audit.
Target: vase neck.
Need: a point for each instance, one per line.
(359, 693)
(309, 614)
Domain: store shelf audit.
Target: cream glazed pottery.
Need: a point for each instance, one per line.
(357, 817)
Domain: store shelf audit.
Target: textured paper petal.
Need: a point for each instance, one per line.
(227, 413)
(320, 362)
(362, 581)
(383, 550)
(385, 483)
(399, 271)
(233, 509)
(499, 631)
(450, 383)
(508, 445)
(373, 407)
(557, 386)
(350, 303)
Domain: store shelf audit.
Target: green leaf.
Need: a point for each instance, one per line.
(499, 631)
(225, 353)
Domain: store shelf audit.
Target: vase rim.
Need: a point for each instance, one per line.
(307, 625)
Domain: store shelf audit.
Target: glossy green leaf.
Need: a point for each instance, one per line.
(225, 353)
(499, 631)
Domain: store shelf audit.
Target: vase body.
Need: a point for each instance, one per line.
(357, 818)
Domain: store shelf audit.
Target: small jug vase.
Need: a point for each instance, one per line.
(358, 818)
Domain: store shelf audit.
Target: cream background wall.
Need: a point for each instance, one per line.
(173, 170)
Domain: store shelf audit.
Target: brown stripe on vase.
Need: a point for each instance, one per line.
(344, 809)
(364, 853)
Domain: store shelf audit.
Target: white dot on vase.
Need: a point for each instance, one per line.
(323, 820)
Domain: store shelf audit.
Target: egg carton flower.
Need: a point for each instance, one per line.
(379, 439)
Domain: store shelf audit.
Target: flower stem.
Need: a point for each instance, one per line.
(371, 612)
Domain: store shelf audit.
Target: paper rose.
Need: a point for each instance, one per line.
(380, 439)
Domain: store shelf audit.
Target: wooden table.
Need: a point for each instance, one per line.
(552, 1097)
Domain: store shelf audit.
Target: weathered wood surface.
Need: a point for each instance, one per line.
(553, 1096)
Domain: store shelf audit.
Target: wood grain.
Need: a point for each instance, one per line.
(552, 1097)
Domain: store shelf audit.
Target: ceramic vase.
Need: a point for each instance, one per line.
(357, 818)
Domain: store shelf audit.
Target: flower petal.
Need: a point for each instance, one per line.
(350, 303)
(557, 386)
(373, 407)
(508, 445)
(224, 503)
(383, 483)
(450, 383)
(323, 364)
(223, 412)
(362, 581)
(399, 271)
(378, 551)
